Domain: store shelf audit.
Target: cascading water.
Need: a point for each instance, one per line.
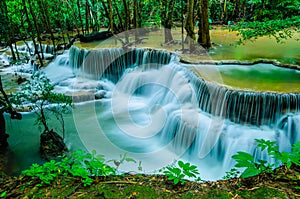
(155, 109)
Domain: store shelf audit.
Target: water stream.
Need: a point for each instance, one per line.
(147, 104)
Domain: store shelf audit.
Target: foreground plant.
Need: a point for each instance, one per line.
(78, 164)
(254, 167)
(38, 95)
(183, 170)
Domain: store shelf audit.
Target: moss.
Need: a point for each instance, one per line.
(263, 192)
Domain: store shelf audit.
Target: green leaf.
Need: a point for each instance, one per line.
(193, 167)
(3, 194)
(288, 165)
(249, 172)
(180, 163)
(171, 177)
(176, 181)
(177, 171)
(189, 174)
(243, 156)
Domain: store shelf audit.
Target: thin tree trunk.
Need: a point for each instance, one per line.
(127, 21)
(140, 18)
(87, 17)
(38, 33)
(12, 50)
(3, 135)
(17, 52)
(135, 18)
(6, 107)
(30, 27)
(46, 11)
(110, 16)
(43, 118)
(120, 18)
(79, 15)
(10, 36)
(203, 33)
(167, 22)
(189, 25)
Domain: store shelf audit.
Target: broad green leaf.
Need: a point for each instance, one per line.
(3, 194)
(176, 181)
(249, 172)
(243, 156)
(180, 163)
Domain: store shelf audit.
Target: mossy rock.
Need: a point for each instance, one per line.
(52, 145)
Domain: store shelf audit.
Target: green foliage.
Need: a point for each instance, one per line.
(78, 164)
(38, 95)
(285, 158)
(3, 194)
(233, 173)
(280, 29)
(178, 173)
(255, 167)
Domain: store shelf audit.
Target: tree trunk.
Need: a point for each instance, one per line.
(5, 107)
(189, 25)
(87, 17)
(79, 15)
(94, 22)
(10, 36)
(237, 10)
(121, 27)
(12, 50)
(127, 20)
(46, 11)
(135, 18)
(17, 52)
(29, 26)
(43, 118)
(110, 16)
(3, 135)
(203, 33)
(167, 22)
(37, 31)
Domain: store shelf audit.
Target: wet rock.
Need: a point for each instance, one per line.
(100, 94)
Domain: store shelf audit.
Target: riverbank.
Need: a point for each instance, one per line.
(280, 184)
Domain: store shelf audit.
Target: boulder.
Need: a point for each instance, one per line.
(95, 36)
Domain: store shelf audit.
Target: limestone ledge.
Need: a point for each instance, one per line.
(240, 62)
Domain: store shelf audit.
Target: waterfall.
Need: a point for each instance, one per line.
(150, 101)
(243, 107)
(111, 63)
(58, 70)
(44, 48)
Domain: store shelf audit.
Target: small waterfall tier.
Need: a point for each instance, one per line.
(112, 63)
(244, 107)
